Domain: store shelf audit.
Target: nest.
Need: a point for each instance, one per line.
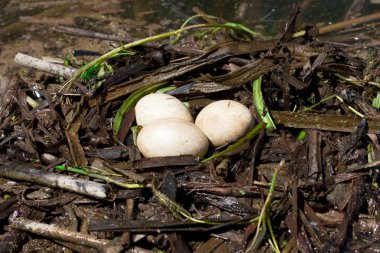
(307, 181)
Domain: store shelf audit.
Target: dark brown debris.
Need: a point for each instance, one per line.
(326, 197)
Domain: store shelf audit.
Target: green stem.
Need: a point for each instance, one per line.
(176, 208)
(108, 179)
(272, 239)
(68, 83)
(252, 133)
(130, 102)
(264, 218)
(258, 102)
(320, 102)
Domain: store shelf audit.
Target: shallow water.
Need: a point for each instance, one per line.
(267, 13)
(26, 26)
(270, 13)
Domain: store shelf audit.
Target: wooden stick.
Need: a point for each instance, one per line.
(45, 66)
(17, 171)
(348, 23)
(58, 233)
(326, 122)
(96, 35)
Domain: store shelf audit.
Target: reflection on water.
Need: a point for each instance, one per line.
(25, 25)
(267, 13)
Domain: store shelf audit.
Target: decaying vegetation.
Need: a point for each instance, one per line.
(308, 181)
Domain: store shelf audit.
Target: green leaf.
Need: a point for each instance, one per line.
(241, 27)
(371, 153)
(130, 103)
(301, 136)
(259, 104)
(376, 101)
(101, 71)
(135, 132)
(166, 89)
(252, 133)
(91, 72)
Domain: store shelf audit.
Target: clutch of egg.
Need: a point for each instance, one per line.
(168, 128)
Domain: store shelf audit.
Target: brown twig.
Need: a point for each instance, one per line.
(348, 23)
(58, 233)
(24, 172)
(45, 66)
(325, 122)
(90, 34)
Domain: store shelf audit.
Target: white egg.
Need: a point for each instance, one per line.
(172, 137)
(224, 121)
(157, 106)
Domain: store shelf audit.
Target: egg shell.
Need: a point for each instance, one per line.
(224, 121)
(157, 106)
(172, 137)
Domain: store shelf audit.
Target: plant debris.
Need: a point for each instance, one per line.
(307, 180)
